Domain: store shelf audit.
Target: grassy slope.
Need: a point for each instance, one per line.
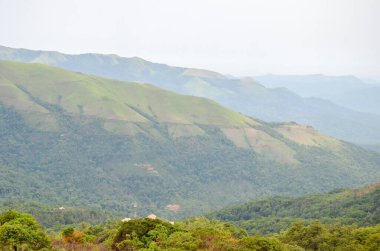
(103, 98)
(118, 102)
(73, 139)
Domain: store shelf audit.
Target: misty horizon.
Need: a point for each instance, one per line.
(241, 38)
(372, 80)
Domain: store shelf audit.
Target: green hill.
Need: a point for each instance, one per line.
(244, 95)
(79, 94)
(358, 206)
(83, 141)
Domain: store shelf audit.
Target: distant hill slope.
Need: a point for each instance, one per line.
(77, 140)
(55, 218)
(374, 148)
(359, 206)
(347, 91)
(243, 95)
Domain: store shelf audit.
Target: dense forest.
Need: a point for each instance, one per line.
(346, 220)
(193, 168)
(269, 215)
(53, 218)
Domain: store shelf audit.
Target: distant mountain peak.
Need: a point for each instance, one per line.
(202, 73)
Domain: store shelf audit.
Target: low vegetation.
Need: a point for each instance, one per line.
(21, 232)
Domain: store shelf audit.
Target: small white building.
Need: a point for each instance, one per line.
(126, 219)
(152, 216)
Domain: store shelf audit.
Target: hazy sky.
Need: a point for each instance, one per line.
(236, 36)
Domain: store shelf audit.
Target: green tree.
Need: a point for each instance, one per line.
(312, 237)
(259, 243)
(140, 233)
(181, 241)
(21, 231)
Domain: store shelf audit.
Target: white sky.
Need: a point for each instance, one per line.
(240, 37)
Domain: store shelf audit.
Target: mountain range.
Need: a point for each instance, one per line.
(67, 138)
(245, 95)
(347, 91)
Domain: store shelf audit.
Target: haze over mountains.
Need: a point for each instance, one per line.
(245, 95)
(347, 91)
(190, 125)
(81, 140)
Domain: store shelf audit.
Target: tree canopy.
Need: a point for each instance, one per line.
(19, 230)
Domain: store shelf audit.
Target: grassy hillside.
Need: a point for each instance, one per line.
(78, 94)
(244, 95)
(82, 141)
(358, 206)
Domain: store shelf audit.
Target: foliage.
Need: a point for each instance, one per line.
(193, 234)
(71, 235)
(261, 244)
(332, 237)
(52, 218)
(270, 215)
(200, 233)
(21, 231)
